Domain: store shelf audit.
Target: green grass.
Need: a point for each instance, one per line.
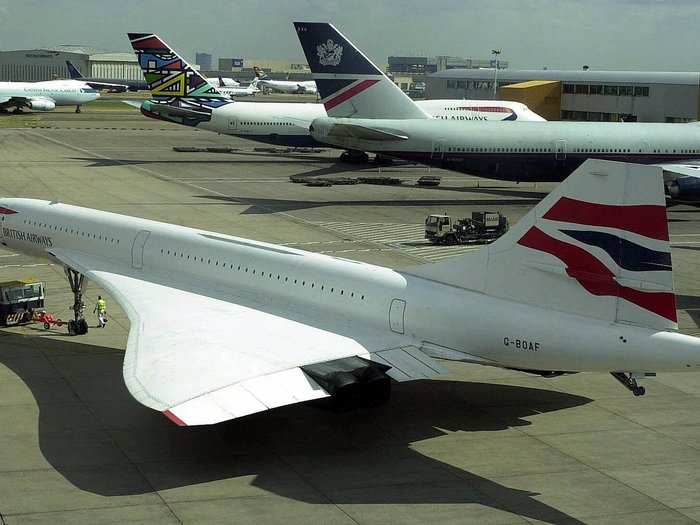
(108, 105)
(18, 121)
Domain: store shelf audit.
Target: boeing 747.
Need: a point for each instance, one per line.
(181, 95)
(368, 112)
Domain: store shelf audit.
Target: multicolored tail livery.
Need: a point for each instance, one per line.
(180, 93)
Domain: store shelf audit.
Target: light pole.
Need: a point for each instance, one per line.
(495, 53)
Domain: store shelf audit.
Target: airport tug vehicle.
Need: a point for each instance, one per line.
(19, 299)
(483, 226)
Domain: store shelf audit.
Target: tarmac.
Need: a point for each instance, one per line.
(483, 445)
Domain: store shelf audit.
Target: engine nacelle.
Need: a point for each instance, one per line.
(352, 382)
(685, 189)
(41, 104)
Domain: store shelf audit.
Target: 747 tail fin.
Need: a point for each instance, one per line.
(73, 72)
(259, 73)
(349, 83)
(167, 73)
(597, 246)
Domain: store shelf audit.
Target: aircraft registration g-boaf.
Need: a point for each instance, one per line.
(582, 283)
(285, 86)
(181, 95)
(46, 95)
(368, 112)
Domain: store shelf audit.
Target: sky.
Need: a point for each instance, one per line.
(654, 35)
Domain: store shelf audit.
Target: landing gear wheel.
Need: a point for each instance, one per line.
(629, 382)
(354, 157)
(77, 109)
(78, 283)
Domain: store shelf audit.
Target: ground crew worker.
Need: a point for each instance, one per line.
(101, 309)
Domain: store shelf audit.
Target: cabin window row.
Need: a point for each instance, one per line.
(72, 231)
(470, 149)
(249, 123)
(253, 271)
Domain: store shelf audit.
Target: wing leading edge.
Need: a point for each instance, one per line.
(203, 359)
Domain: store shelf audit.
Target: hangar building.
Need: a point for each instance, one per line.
(29, 65)
(580, 95)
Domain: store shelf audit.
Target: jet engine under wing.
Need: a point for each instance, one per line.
(8, 102)
(673, 171)
(202, 359)
(682, 182)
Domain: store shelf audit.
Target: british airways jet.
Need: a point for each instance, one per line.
(181, 95)
(582, 283)
(368, 112)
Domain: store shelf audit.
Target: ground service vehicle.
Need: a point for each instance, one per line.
(18, 299)
(482, 227)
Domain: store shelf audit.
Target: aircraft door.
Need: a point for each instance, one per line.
(438, 149)
(137, 249)
(233, 124)
(560, 150)
(397, 311)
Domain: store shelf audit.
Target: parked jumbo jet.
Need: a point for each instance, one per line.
(109, 84)
(368, 112)
(284, 86)
(582, 283)
(45, 96)
(182, 95)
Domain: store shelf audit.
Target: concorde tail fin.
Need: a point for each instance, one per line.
(597, 246)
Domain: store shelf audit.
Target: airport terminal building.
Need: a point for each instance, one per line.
(582, 94)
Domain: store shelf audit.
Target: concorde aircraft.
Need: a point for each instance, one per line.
(222, 327)
(368, 112)
(45, 96)
(182, 95)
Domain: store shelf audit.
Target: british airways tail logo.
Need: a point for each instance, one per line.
(591, 273)
(329, 53)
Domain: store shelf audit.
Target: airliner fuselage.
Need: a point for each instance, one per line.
(352, 297)
(521, 151)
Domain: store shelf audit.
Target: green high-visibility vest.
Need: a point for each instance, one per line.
(101, 306)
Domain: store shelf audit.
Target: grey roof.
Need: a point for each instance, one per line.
(611, 77)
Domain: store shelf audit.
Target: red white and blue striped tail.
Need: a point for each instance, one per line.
(349, 84)
(597, 246)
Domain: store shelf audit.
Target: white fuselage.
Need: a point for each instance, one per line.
(442, 320)
(223, 82)
(520, 151)
(288, 123)
(237, 91)
(288, 86)
(61, 92)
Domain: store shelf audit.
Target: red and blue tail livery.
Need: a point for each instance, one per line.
(348, 82)
(597, 246)
(616, 251)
